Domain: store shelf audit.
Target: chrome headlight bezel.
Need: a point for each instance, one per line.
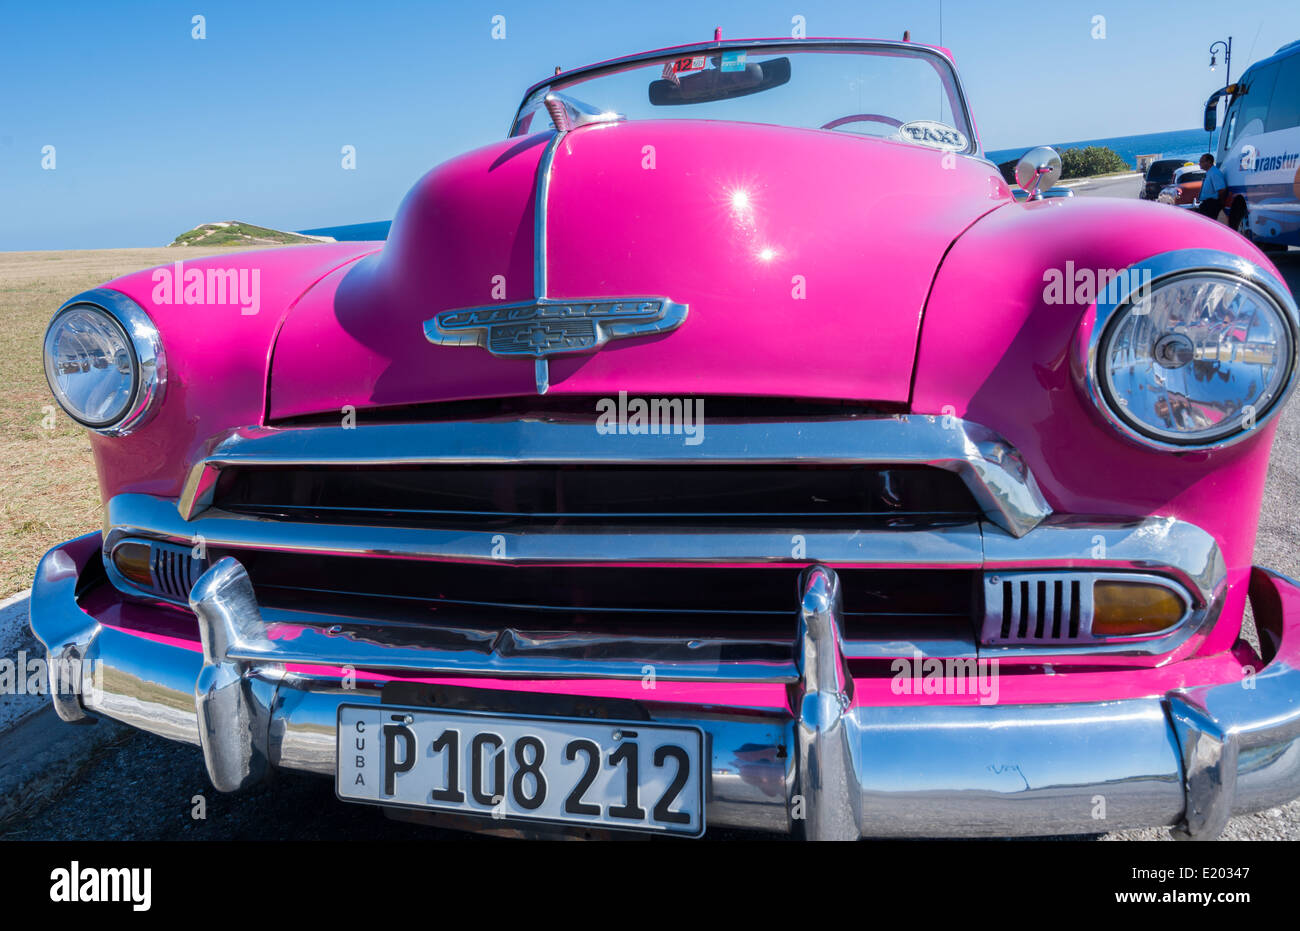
(148, 360)
(1149, 275)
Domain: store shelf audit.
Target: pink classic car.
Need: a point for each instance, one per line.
(724, 447)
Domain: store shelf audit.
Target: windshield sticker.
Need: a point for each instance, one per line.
(688, 64)
(936, 135)
(733, 61)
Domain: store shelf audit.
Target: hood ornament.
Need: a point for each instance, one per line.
(548, 327)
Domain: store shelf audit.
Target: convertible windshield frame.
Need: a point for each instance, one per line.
(947, 69)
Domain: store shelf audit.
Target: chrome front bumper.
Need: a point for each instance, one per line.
(816, 762)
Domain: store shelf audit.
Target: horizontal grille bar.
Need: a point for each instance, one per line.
(472, 494)
(682, 582)
(617, 594)
(694, 633)
(991, 469)
(900, 542)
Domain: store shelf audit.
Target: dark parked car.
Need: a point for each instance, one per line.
(1159, 174)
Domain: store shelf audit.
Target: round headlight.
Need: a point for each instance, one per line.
(1193, 351)
(103, 361)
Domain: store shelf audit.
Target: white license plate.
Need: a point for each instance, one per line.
(629, 775)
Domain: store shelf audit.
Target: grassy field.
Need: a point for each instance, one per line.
(47, 478)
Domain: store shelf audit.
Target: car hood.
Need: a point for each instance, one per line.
(805, 258)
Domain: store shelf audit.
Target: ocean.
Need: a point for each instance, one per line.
(1184, 143)
(353, 232)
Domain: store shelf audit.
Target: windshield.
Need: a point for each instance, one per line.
(885, 91)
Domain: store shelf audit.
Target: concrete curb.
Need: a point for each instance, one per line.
(18, 647)
(41, 755)
(13, 599)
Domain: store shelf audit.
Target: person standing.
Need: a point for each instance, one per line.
(1213, 188)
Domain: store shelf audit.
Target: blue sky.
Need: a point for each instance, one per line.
(156, 132)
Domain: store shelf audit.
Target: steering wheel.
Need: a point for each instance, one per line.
(864, 118)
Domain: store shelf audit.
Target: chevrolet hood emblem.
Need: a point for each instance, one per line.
(546, 327)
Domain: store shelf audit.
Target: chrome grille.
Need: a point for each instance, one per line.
(531, 507)
(535, 531)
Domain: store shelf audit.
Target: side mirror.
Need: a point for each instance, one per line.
(1212, 106)
(1038, 170)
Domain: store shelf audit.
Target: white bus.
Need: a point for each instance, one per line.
(1259, 148)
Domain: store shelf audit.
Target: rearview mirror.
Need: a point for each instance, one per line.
(716, 84)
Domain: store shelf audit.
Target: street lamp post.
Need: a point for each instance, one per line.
(1227, 57)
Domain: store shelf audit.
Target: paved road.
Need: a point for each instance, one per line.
(136, 786)
(1122, 186)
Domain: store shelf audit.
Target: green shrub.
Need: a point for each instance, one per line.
(1091, 160)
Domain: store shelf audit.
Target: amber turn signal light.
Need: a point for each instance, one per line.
(1126, 609)
(132, 560)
